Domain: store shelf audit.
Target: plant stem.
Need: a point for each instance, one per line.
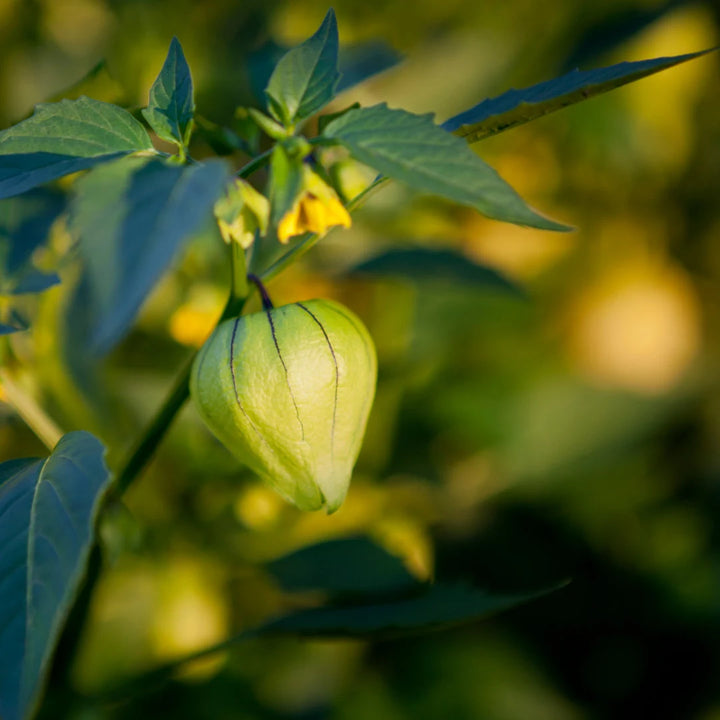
(255, 164)
(33, 415)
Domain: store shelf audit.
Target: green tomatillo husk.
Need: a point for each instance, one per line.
(288, 391)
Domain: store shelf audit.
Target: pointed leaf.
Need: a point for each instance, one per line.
(516, 107)
(345, 566)
(47, 518)
(9, 329)
(131, 218)
(427, 265)
(285, 182)
(172, 104)
(31, 281)
(438, 607)
(305, 78)
(62, 138)
(412, 149)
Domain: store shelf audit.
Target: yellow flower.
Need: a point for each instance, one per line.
(316, 209)
(241, 213)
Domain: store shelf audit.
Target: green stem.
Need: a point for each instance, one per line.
(33, 415)
(255, 164)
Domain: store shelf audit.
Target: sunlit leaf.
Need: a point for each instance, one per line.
(64, 137)
(172, 104)
(131, 218)
(516, 107)
(47, 518)
(305, 78)
(412, 149)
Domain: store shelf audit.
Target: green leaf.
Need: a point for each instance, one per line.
(47, 516)
(412, 149)
(25, 222)
(438, 607)
(428, 265)
(131, 218)
(353, 565)
(285, 182)
(305, 78)
(172, 105)
(9, 329)
(31, 281)
(64, 137)
(516, 107)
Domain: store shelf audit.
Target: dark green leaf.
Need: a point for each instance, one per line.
(97, 83)
(285, 182)
(346, 566)
(305, 78)
(439, 606)
(9, 329)
(25, 222)
(47, 518)
(64, 137)
(360, 62)
(31, 281)
(131, 217)
(412, 149)
(172, 105)
(426, 265)
(516, 107)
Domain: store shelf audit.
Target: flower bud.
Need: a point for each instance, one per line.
(288, 391)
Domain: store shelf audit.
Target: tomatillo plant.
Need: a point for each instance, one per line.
(288, 390)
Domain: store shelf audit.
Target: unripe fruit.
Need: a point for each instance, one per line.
(288, 391)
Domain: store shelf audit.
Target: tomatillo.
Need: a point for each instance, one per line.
(288, 391)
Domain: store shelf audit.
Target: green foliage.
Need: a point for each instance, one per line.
(412, 149)
(131, 217)
(172, 103)
(285, 181)
(424, 265)
(516, 107)
(64, 137)
(348, 566)
(48, 510)
(304, 80)
(439, 606)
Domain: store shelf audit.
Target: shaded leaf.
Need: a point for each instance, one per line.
(172, 104)
(32, 281)
(439, 606)
(9, 329)
(346, 566)
(425, 264)
(47, 518)
(305, 78)
(516, 107)
(357, 63)
(64, 137)
(25, 222)
(131, 217)
(97, 83)
(412, 149)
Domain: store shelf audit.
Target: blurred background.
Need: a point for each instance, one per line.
(513, 443)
